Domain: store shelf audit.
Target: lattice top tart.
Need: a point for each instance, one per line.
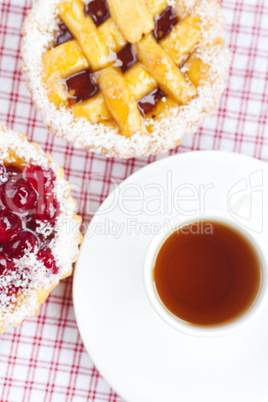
(39, 232)
(124, 77)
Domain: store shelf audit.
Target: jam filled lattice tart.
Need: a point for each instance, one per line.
(124, 77)
(39, 232)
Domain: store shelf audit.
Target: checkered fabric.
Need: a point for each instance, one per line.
(44, 359)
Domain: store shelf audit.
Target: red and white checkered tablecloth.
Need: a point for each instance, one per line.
(44, 359)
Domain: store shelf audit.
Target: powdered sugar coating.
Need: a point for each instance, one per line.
(39, 34)
(31, 274)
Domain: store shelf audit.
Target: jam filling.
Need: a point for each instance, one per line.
(148, 103)
(127, 57)
(82, 86)
(165, 23)
(64, 35)
(27, 202)
(98, 10)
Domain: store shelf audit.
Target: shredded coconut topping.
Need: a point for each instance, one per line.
(171, 3)
(31, 276)
(39, 33)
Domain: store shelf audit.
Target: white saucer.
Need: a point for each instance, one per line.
(141, 357)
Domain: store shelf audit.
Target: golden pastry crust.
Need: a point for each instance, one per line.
(15, 150)
(101, 124)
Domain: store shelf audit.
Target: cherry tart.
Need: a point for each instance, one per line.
(39, 231)
(124, 78)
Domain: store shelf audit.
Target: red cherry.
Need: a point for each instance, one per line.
(2, 173)
(18, 195)
(32, 225)
(41, 179)
(48, 209)
(12, 170)
(23, 243)
(48, 260)
(5, 263)
(10, 225)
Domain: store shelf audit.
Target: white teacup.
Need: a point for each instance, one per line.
(186, 327)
